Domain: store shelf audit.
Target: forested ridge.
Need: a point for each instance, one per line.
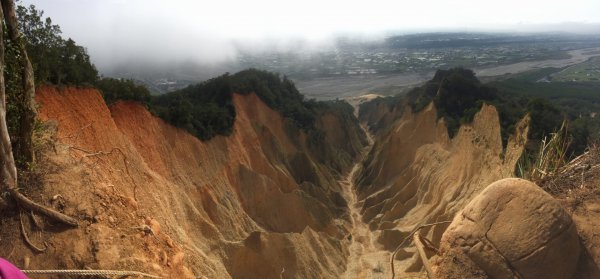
(458, 95)
(206, 109)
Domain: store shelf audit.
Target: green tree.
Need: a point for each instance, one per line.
(123, 89)
(43, 41)
(8, 167)
(457, 95)
(55, 59)
(545, 118)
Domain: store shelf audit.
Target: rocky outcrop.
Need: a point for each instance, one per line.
(512, 229)
(415, 174)
(261, 203)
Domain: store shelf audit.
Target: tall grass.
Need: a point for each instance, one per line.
(551, 155)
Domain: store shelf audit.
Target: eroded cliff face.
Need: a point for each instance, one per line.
(415, 174)
(268, 201)
(261, 203)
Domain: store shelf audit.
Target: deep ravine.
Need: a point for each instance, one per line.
(367, 258)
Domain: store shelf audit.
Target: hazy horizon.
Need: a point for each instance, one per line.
(119, 32)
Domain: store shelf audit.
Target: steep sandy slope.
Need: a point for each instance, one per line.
(415, 174)
(577, 187)
(261, 203)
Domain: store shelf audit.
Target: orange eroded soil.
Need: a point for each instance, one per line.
(256, 204)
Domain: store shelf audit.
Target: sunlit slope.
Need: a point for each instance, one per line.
(254, 204)
(415, 174)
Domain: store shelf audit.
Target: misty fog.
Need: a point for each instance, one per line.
(197, 40)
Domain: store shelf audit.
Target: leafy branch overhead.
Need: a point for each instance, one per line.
(55, 60)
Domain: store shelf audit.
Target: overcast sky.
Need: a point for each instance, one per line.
(116, 30)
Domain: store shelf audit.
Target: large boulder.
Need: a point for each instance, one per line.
(512, 229)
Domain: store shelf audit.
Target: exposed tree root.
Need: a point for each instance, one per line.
(429, 245)
(28, 204)
(408, 237)
(421, 250)
(35, 220)
(24, 233)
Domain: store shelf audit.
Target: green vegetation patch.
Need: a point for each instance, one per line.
(578, 102)
(55, 59)
(206, 109)
(123, 89)
(458, 95)
(586, 71)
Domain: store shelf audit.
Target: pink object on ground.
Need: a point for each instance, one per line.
(9, 271)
